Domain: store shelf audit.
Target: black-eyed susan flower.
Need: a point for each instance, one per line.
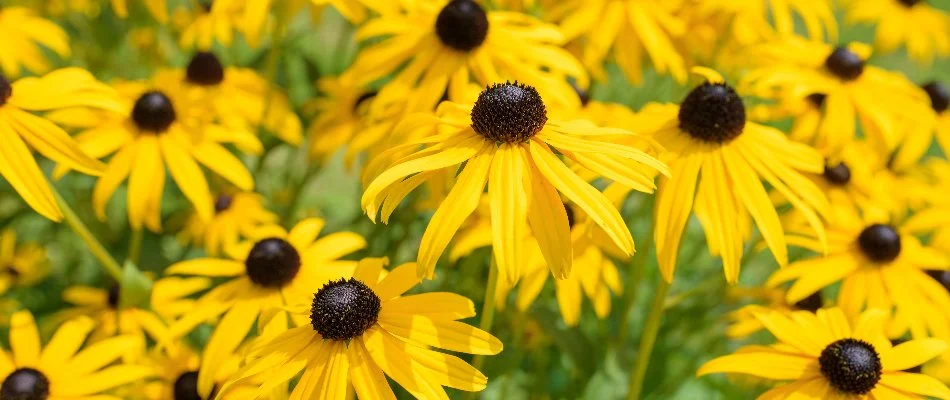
(208, 22)
(158, 8)
(163, 127)
(176, 368)
(242, 101)
(921, 132)
(264, 274)
(446, 44)
(20, 265)
(505, 141)
(20, 130)
(364, 329)
(920, 27)
(878, 267)
(743, 322)
(823, 356)
(112, 318)
(755, 21)
(632, 30)
(850, 178)
(23, 33)
(718, 161)
(852, 90)
(64, 369)
(236, 216)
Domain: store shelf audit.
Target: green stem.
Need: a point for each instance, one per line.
(647, 340)
(135, 246)
(488, 308)
(97, 249)
(637, 266)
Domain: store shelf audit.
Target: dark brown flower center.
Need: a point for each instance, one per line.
(25, 384)
(462, 25)
(838, 175)
(844, 64)
(153, 112)
(222, 203)
(344, 309)
(509, 113)
(879, 242)
(272, 263)
(205, 69)
(6, 90)
(712, 113)
(909, 3)
(851, 366)
(817, 99)
(939, 96)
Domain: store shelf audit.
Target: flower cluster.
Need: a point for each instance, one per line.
(507, 151)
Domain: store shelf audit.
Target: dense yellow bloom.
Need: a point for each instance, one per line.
(22, 32)
(505, 141)
(214, 21)
(878, 267)
(22, 265)
(445, 45)
(364, 329)
(923, 29)
(236, 216)
(163, 125)
(756, 21)
(176, 367)
(264, 275)
(112, 318)
(718, 162)
(19, 127)
(823, 356)
(923, 129)
(64, 369)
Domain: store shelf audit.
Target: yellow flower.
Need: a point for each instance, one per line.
(632, 29)
(718, 162)
(505, 141)
(236, 216)
(22, 32)
(923, 29)
(446, 44)
(879, 267)
(265, 275)
(23, 265)
(163, 125)
(242, 100)
(751, 21)
(209, 22)
(60, 89)
(362, 330)
(112, 318)
(64, 370)
(849, 90)
(177, 371)
(158, 8)
(824, 357)
(853, 178)
(743, 322)
(922, 130)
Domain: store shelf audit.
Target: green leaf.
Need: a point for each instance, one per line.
(135, 289)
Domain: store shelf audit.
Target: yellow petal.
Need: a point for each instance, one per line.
(24, 339)
(915, 383)
(913, 353)
(207, 267)
(449, 335)
(368, 380)
(778, 366)
(508, 205)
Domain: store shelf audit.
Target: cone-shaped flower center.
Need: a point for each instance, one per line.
(5, 90)
(811, 303)
(939, 96)
(462, 25)
(153, 112)
(222, 203)
(205, 69)
(850, 365)
(879, 242)
(817, 99)
(844, 64)
(186, 386)
(838, 175)
(272, 263)
(712, 113)
(509, 113)
(344, 309)
(113, 297)
(25, 384)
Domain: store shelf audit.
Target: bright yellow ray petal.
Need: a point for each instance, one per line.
(674, 202)
(436, 305)
(449, 335)
(187, 174)
(916, 383)
(230, 332)
(368, 380)
(20, 170)
(910, 354)
(67, 340)
(776, 365)
(24, 339)
(508, 203)
(398, 281)
(53, 142)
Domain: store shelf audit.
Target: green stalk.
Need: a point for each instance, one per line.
(97, 249)
(637, 266)
(647, 340)
(488, 312)
(135, 246)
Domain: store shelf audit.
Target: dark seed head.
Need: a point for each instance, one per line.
(811, 303)
(509, 113)
(844, 64)
(6, 90)
(223, 203)
(851, 366)
(344, 309)
(153, 112)
(186, 386)
(113, 297)
(909, 3)
(838, 175)
(939, 96)
(817, 99)
(712, 113)
(462, 25)
(570, 215)
(272, 263)
(205, 69)
(25, 384)
(880, 243)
